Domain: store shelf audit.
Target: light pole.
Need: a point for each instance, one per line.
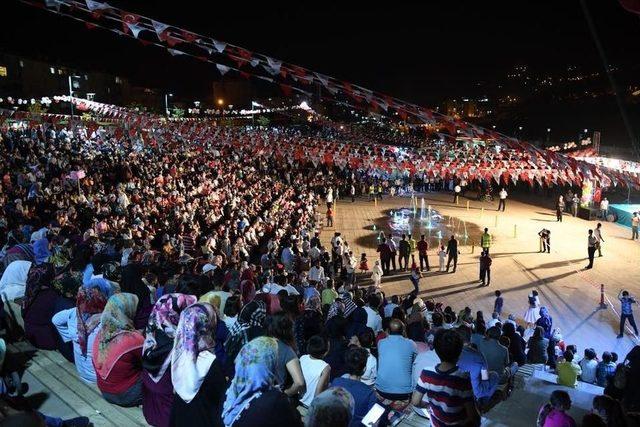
(166, 102)
(71, 91)
(548, 134)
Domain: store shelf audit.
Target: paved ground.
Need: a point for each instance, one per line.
(571, 293)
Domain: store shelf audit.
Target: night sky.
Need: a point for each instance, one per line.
(420, 52)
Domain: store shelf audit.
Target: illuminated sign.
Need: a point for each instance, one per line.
(3, 71)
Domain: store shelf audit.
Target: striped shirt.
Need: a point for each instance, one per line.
(447, 393)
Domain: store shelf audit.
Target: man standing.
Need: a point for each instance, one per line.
(574, 205)
(352, 190)
(385, 255)
(485, 240)
(413, 245)
(591, 248)
(423, 247)
(503, 199)
(604, 208)
(485, 268)
(598, 233)
(635, 221)
(560, 208)
(452, 252)
(329, 217)
(626, 312)
(405, 250)
(393, 247)
(456, 193)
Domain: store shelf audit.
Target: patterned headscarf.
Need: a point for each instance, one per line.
(334, 406)
(256, 367)
(117, 334)
(313, 303)
(160, 333)
(193, 349)
(252, 315)
(335, 309)
(90, 303)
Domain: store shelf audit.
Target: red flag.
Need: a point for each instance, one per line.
(129, 18)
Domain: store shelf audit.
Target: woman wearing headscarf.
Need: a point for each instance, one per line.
(117, 352)
(196, 373)
(131, 282)
(39, 300)
(357, 323)
(545, 322)
(249, 326)
(333, 407)
(66, 285)
(253, 397)
(156, 357)
(221, 331)
(79, 324)
(516, 344)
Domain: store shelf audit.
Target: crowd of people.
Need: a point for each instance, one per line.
(188, 277)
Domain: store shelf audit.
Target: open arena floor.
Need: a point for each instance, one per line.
(571, 293)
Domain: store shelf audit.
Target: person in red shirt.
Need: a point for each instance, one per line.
(423, 247)
(117, 352)
(329, 217)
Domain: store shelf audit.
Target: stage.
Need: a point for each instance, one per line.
(624, 213)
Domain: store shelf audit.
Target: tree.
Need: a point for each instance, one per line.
(263, 121)
(36, 108)
(177, 113)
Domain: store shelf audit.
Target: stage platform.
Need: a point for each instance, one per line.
(624, 213)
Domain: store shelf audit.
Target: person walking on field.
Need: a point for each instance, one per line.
(598, 233)
(626, 312)
(560, 208)
(591, 248)
(353, 193)
(635, 222)
(452, 252)
(485, 268)
(485, 240)
(574, 205)
(503, 199)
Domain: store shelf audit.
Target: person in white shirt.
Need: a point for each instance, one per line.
(589, 366)
(604, 208)
(316, 273)
(367, 340)
(388, 309)
(316, 371)
(442, 256)
(376, 274)
(374, 321)
(598, 234)
(503, 199)
(14, 280)
(495, 319)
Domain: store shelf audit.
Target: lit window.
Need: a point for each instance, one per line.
(21, 63)
(3, 71)
(53, 70)
(118, 80)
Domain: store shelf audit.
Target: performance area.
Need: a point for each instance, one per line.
(194, 233)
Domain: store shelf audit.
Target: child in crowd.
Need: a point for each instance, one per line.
(315, 370)
(364, 264)
(531, 316)
(442, 256)
(497, 305)
(554, 413)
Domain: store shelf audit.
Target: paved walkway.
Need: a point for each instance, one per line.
(571, 293)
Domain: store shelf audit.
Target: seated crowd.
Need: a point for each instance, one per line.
(189, 278)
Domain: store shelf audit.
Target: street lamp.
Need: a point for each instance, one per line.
(548, 134)
(166, 102)
(220, 102)
(71, 90)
